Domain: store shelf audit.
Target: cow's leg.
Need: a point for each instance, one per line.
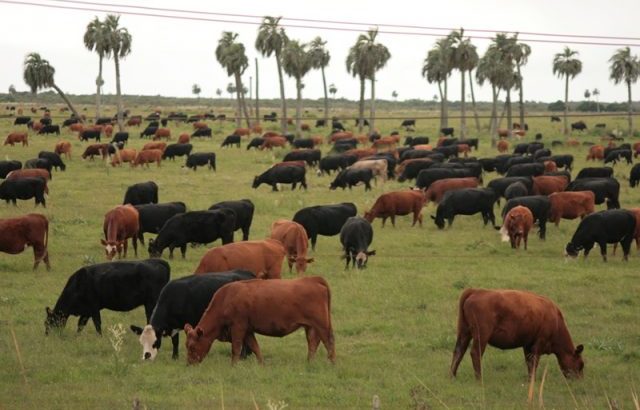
(542, 224)
(175, 342)
(46, 259)
(304, 183)
(171, 247)
(393, 220)
(274, 187)
(97, 322)
(135, 246)
(314, 238)
(238, 334)
(325, 333)
(82, 321)
(251, 342)
(477, 350)
(126, 246)
(348, 258)
(313, 340)
(293, 186)
(531, 357)
(603, 250)
(183, 250)
(626, 247)
(462, 343)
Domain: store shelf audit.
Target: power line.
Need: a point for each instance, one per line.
(218, 20)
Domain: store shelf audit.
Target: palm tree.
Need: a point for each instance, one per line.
(465, 58)
(195, 89)
(38, 74)
(320, 58)
(377, 56)
(394, 95)
(12, 90)
(357, 66)
(506, 49)
(296, 62)
(96, 39)
(437, 67)
(625, 67)
(231, 55)
(587, 94)
(596, 94)
(521, 53)
(231, 89)
(271, 40)
(218, 92)
(566, 65)
(491, 69)
(333, 90)
(119, 44)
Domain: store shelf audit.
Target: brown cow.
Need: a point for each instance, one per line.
(290, 163)
(147, 156)
(17, 137)
(463, 149)
(120, 224)
(270, 134)
(263, 258)
(271, 308)
(516, 226)
(108, 130)
(123, 155)
(256, 128)
(134, 122)
(294, 238)
(184, 138)
(503, 146)
(31, 173)
(162, 133)
(36, 126)
(550, 166)
(16, 234)
(361, 152)
(77, 127)
(548, 184)
(508, 319)
(636, 149)
(305, 127)
(317, 140)
(596, 152)
(423, 147)
(96, 149)
(387, 142)
(397, 203)
(438, 188)
(242, 132)
(340, 136)
(63, 147)
(155, 145)
(271, 142)
(199, 125)
(502, 133)
(571, 205)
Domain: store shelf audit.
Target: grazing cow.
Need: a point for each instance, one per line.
(516, 226)
(243, 209)
(193, 227)
(148, 157)
(579, 126)
(467, 201)
(571, 205)
(547, 184)
(162, 133)
(149, 131)
(77, 127)
(41, 163)
(201, 159)
(413, 141)
(555, 118)
(262, 258)
(141, 193)
(604, 189)
(595, 172)
(231, 140)
(303, 143)
(24, 188)
(426, 177)
(120, 138)
(257, 128)
(337, 125)
(152, 216)
(516, 190)
(155, 145)
(295, 241)
(120, 224)
(53, 158)
(108, 130)
(563, 161)
(182, 301)
(377, 166)
(120, 286)
(410, 169)
(525, 170)
(123, 155)
(63, 147)
(356, 236)
(103, 121)
(439, 188)
(16, 234)
(282, 175)
(634, 176)
(134, 121)
(7, 166)
(177, 150)
(242, 132)
(17, 137)
(508, 319)
(304, 302)
(350, 177)
(204, 132)
(326, 220)
(408, 123)
(540, 207)
(617, 154)
(271, 142)
(610, 226)
(184, 138)
(447, 131)
(503, 146)
(337, 136)
(21, 120)
(50, 129)
(70, 121)
(86, 135)
(321, 123)
(397, 203)
(310, 156)
(31, 173)
(255, 143)
(198, 125)
(335, 163)
(447, 151)
(596, 152)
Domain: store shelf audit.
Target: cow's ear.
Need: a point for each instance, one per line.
(433, 217)
(188, 328)
(371, 253)
(103, 242)
(199, 331)
(310, 260)
(579, 350)
(136, 329)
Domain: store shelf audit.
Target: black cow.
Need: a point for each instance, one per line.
(535, 146)
(580, 126)
(539, 205)
(616, 154)
(344, 145)
(303, 143)
(557, 143)
(201, 159)
(282, 175)
(149, 131)
(601, 125)
(182, 301)
(50, 129)
(54, 159)
(243, 210)
(103, 121)
(45, 121)
(447, 151)
(164, 121)
(466, 201)
(351, 177)
(337, 125)
(270, 117)
(356, 236)
(408, 123)
(21, 120)
(120, 138)
(141, 193)
(321, 123)
(8, 166)
(153, 124)
(193, 227)
(41, 163)
(69, 121)
(488, 164)
(411, 141)
(365, 122)
(334, 163)
(202, 132)
(503, 161)
(595, 172)
(152, 217)
(177, 150)
(310, 156)
(231, 140)
(526, 170)
(471, 142)
(634, 176)
(555, 118)
(326, 220)
(521, 148)
(447, 131)
(255, 143)
(421, 153)
(611, 226)
(563, 161)
(426, 177)
(120, 286)
(603, 188)
(23, 188)
(500, 185)
(541, 153)
(447, 142)
(86, 135)
(516, 190)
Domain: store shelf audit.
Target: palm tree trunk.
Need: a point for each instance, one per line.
(361, 107)
(509, 113)
(283, 121)
(463, 110)
(566, 105)
(98, 85)
(118, 92)
(494, 115)
(521, 99)
(244, 105)
(239, 99)
(298, 107)
(473, 102)
(326, 98)
(372, 112)
(445, 107)
(257, 96)
(504, 111)
(67, 101)
(630, 109)
(441, 105)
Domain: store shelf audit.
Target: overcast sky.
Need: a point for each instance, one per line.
(170, 55)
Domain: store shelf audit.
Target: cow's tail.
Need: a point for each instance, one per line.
(46, 233)
(463, 326)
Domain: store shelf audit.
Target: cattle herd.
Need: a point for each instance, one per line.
(230, 295)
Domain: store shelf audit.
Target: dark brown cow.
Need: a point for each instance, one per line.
(162, 133)
(596, 152)
(397, 203)
(271, 308)
(155, 145)
(17, 137)
(571, 205)
(147, 157)
(463, 149)
(96, 149)
(548, 184)
(120, 224)
(270, 134)
(134, 121)
(305, 127)
(37, 126)
(295, 241)
(63, 147)
(516, 226)
(438, 188)
(242, 132)
(271, 142)
(16, 234)
(184, 138)
(508, 319)
(263, 258)
(290, 163)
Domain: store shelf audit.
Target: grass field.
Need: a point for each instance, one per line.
(394, 322)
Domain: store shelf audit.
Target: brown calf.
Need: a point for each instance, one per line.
(503, 146)
(397, 203)
(548, 184)
(63, 147)
(596, 152)
(162, 133)
(184, 138)
(120, 224)
(294, 238)
(123, 155)
(516, 226)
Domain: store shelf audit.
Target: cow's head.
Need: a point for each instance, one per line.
(572, 364)
(572, 250)
(438, 221)
(111, 248)
(197, 346)
(300, 262)
(55, 319)
(255, 182)
(369, 216)
(154, 251)
(149, 340)
(362, 258)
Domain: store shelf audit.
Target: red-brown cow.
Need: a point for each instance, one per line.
(438, 188)
(242, 132)
(269, 143)
(120, 224)
(463, 149)
(571, 205)
(290, 163)
(271, 308)
(63, 147)
(36, 126)
(397, 203)
(340, 136)
(134, 121)
(636, 149)
(147, 157)
(199, 125)
(16, 234)
(508, 319)
(548, 184)
(162, 133)
(184, 138)
(77, 127)
(550, 166)
(123, 155)
(502, 133)
(361, 152)
(270, 134)
(108, 130)
(155, 145)
(423, 147)
(386, 142)
(503, 146)
(96, 149)
(305, 127)
(256, 129)
(295, 241)
(516, 226)
(17, 137)
(263, 258)
(596, 152)
(317, 140)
